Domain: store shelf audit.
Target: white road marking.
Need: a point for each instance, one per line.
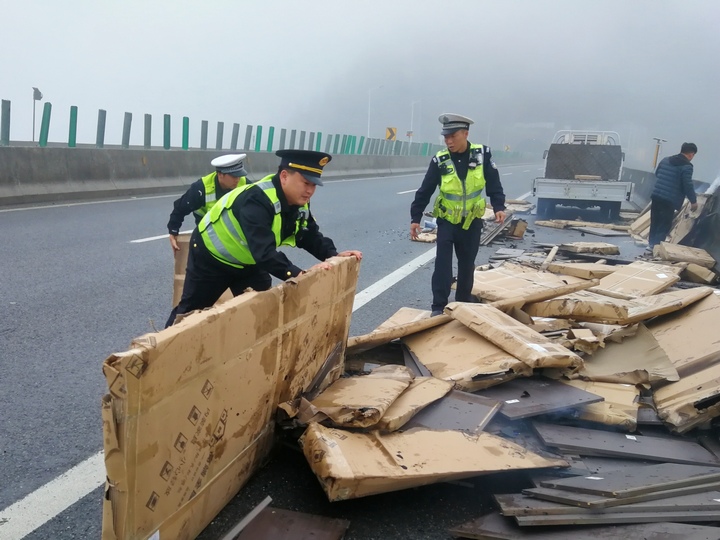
(379, 287)
(527, 170)
(23, 517)
(525, 196)
(151, 238)
(540, 169)
(43, 504)
(408, 191)
(506, 173)
(67, 205)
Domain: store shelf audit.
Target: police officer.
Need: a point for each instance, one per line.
(462, 171)
(202, 194)
(235, 244)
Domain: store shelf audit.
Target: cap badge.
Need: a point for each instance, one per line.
(323, 162)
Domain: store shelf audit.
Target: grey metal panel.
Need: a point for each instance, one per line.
(523, 398)
(311, 141)
(645, 479)
(279, 524)
(301, 145)
(413, 364)
(235, 136)
(593, 442)
(293, 136)
(586, 500)
(283, 135)
(517, 504)
(460, 411)
(595, 519)
(564, 161)
(496, 527)
(248, 137)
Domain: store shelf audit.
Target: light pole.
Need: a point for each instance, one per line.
(369, 101)
(37, 96)
(658, 143)
(412, 117)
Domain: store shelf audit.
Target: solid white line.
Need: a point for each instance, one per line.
(408, 191)
(151, 238)
(506, 173)
(67, 205)
(43, 504)
(540, 169)
(379, 287)
(527, 170)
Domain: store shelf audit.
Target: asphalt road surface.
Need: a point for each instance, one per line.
(76, 288)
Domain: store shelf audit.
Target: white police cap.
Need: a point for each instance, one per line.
(453, 122)
(232, 164)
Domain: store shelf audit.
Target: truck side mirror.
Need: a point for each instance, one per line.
(623, 155)
(545, 153)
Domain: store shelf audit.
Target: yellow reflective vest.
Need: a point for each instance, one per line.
(223, 236)
(210, 182)
(460, 201)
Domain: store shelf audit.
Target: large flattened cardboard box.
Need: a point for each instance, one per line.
(190, 412)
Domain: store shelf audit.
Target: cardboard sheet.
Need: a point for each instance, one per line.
(455, 353)
(422, 392)
(351, 465)
(583, 270)
(619, 408)
(637, 279)
(593, 307)
(601, 248)
(189, 416)
(180, 263)
(699, 274)
(512, 281)
(636, 360)
(691, 337)
(360, 402)
(686, 254)
(405, 322)
(691, 401)
(512, 336)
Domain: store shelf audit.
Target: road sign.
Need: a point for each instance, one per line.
(409, 134)
(390, 134)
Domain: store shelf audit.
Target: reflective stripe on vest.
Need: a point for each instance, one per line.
(225, 239)
(460, 201)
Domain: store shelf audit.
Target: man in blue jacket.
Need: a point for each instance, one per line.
(674, 183)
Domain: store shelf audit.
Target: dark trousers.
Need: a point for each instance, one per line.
(206, 279)
(662, 213)
(466, 244)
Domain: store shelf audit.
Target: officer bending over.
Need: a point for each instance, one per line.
(202, 194)
(235, 244)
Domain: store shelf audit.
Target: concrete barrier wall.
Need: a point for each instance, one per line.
(32, 175)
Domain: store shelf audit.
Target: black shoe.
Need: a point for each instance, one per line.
(436, 312)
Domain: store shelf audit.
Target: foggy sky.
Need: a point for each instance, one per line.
(520, 68)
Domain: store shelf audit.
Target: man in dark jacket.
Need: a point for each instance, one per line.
(674, 183)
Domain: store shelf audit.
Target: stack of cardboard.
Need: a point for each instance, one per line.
(579, 378)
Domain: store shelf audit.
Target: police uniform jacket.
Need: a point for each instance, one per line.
(193, 199)
(431, 182)
(255, 214)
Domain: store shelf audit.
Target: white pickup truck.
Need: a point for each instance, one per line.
(583, 169)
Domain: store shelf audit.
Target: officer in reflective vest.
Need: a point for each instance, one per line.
(235, 244)
(463, 172)
(202, 194)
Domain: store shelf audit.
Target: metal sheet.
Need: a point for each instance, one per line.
(522, 398)
(646, 479)
(496, 527)
(586, 500)
(458, 411)
(614, 518)
(413, 364)
(278, 524)
(593, 442)
(517, 504)
(597, 231)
